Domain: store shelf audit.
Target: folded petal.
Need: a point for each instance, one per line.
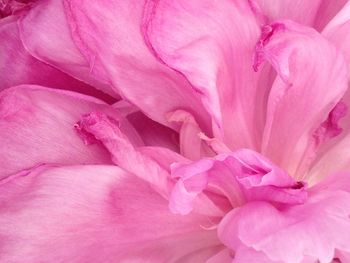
(238, 176)
(118, 51)
(18, 67)
(37, 126)
(292, 234)
(124, 153)
(300, 98)
(208, 42)
(45, 34)
(94, 214)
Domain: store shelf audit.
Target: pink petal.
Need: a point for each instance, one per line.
(94, 214)
(208, 42)
(153, 133)
(316, 12)
(292, 234)
(125, 153)
(45, 34)
(241, 175)
(118, 51)
(337, 31)
(191, 145)
(17, 66)
(334, 160)
(300, 99)
(326, 11)
(224, 256)
(37, 126)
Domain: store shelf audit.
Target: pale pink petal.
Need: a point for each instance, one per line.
(239, 176)
(294, 233)
(338, 32)
(117, 50)
(45, 34)
(210, 44)
(313, 13)
(94, 214)
(37, 126)
(18, 67)
(335, 159)
(301, 97)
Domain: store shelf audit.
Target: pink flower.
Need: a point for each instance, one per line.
(174, 131)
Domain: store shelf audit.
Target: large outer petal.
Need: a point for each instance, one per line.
(45, 35)
(18, 67)
(94, 214)
(312, 77)
(109, 35)
(212, 43)
(292, 234)
(37, 126)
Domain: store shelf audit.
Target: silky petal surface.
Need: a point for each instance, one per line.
(18, 67)
(338, 32)
(209, 44)
(312, 230)
(300, 98)
(315, 13)
(37, 126)
(117, 49)
(45, 34)
(94, 213)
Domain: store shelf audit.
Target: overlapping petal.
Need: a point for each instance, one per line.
(312, 13)
(45, 34)
(208, 42)
(240, 176)
(18, 67)
(312, 78)
(311, 231)
(118, 51)
(37, 126)
(93, 213)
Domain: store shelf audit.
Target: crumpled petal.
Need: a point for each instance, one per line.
(312, 230)
(18, 67)
(118, 51)
(239, 176)
(124, 153)
(94, 214)
(45, 34)
(37, 126)
(208, 42)
(300, 99)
